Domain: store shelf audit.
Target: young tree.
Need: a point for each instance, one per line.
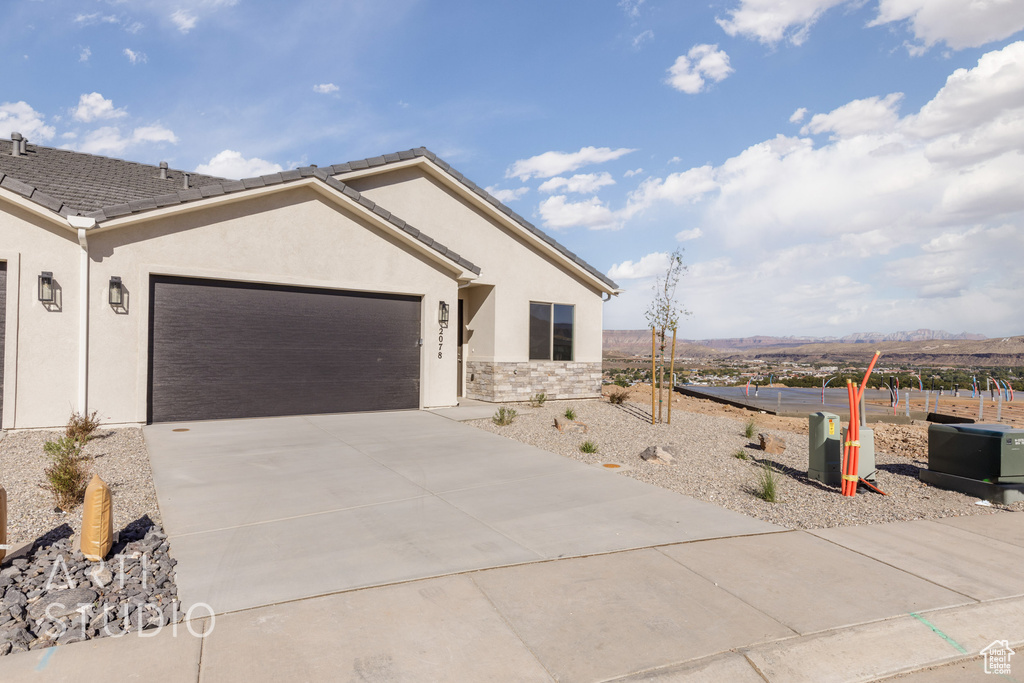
(665, 311)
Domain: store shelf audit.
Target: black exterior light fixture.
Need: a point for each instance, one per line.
(442, 314)
(116, 292)
(47, 294)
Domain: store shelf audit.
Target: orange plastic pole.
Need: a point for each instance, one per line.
(851, 481)
(867, 375)
(846, 447)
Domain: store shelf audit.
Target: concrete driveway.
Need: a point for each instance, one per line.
(265, 511)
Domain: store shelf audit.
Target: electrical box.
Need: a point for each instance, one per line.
(992, 453)
(825, 448)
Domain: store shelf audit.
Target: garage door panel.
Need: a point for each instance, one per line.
(226, 350)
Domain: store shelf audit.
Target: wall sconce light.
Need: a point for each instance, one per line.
(116, 292)
(442, 314)
(46, 291)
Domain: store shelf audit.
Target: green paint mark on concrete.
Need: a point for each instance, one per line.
(933, 627)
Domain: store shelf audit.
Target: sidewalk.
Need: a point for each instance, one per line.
(847, 604)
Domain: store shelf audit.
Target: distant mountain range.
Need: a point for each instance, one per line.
(924, 347)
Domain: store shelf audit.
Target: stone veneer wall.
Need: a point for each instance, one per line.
(499, 382)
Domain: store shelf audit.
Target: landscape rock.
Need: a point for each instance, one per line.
(772, 445)
(62, 603)
(658, 454)
(563, 425)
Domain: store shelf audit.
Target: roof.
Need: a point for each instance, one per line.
(386, 159)
(73, 183)
(62, 180)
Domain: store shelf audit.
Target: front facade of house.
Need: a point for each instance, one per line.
(318, 290)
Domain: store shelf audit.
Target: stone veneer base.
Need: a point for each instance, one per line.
(503, 381)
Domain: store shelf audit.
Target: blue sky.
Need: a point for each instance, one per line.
(829, 166)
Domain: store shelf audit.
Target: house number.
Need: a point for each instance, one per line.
(440, 340)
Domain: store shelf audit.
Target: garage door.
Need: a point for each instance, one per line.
(223, 350)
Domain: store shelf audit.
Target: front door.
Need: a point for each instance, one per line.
(459, 342)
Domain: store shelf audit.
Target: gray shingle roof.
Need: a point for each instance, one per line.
(62, 183)
(373, 162)
(72, 183)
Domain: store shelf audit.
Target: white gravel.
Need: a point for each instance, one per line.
(119, 456)
(706, 467)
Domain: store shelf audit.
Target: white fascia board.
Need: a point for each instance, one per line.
(486, 207)
(313, 183)
(36, 209)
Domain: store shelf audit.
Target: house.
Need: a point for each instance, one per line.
(152, 295)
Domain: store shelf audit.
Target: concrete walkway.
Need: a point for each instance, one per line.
(724, 599)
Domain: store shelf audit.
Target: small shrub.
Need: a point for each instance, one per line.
(504, 416)
(617, 397)
(740, 454)
(81, 427)
(622, 382)
(537, 400)
(588, 446)
(67, 477)
(570, 414)
(767, 488)
(750, 429)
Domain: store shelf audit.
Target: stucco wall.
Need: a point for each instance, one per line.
(519, 272)
(293, 237)
(40, 345)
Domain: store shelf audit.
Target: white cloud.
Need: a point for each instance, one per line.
(506, 196)
(904, 215)
(109, 139)
(958, 23)
(858, 117)
(798, 115)
(94, 106)
(591, 213)
(631, 7)
(184, 20)
(771, 21)
(231, 164)
(648, 266)
(326, 88)
(633, 172)
(641, 38)
(22, 118)
(84, 55)
(687, 235)
(551, 164)
(135, 57)
(701, 64)
(587, 183)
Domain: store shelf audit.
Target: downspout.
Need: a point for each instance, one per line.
(82, 225)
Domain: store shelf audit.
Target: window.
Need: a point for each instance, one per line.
(551, 331)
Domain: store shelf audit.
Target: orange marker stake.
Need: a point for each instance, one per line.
(846, 447)
(851, 481)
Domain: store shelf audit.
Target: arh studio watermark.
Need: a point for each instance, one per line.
(997, 657)
(151, 618)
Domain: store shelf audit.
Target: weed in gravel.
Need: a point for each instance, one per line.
(750, 429)
(537, 400)
(618, 397)
(588, 446)
(570, 414)
(504, 416)
(80, 427)
(68, 476)
(740, 454)
(767, 485)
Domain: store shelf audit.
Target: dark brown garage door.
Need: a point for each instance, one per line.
(3, 326)
(223, 350)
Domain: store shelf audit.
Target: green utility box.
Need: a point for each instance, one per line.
(986, 452)
(826, 438)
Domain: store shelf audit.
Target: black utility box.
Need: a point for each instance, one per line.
(991, 453)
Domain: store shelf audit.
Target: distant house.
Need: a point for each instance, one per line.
(151, 295)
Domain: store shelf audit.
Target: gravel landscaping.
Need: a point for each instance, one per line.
(50, 594)
(705, 438)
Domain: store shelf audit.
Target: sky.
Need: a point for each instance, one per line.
(827, 166)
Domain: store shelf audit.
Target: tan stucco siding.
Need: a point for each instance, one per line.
(519, 272)
(40, 345)
(295, 237)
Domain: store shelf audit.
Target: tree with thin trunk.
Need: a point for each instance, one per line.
(665, 311)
